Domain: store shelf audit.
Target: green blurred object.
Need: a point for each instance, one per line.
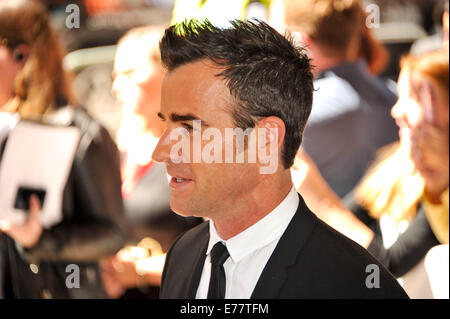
(219, 12)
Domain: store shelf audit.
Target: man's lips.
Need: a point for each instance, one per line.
(178, 180)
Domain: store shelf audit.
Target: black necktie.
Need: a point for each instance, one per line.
(219, 254)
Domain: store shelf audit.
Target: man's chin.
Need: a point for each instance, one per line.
(180, 207)
(188, 208)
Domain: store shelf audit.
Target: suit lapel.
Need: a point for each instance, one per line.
(197, 267)
(274, 275)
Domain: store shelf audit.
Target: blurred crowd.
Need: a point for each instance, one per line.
(374, 162)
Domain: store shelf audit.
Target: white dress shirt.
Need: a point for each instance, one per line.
(249, 250)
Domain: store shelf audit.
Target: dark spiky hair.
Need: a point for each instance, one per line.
(265, 72)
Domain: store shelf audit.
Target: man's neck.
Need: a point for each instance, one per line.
(254, 206)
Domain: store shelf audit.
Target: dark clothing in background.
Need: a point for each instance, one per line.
(92, 226)
(410, 247)
(349, 122)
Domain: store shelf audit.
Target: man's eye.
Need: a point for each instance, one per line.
(187, 126)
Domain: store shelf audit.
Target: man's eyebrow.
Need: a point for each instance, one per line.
(183, 117)
(174, 117)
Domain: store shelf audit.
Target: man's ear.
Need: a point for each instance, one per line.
(274, 130)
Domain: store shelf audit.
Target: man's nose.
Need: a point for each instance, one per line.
(162, 149)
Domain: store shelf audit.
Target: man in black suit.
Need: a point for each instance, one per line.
(261, 240)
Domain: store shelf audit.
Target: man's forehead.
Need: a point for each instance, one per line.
(200, 78)
(196, 87)
(200, 71)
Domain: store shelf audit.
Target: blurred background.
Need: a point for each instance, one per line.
(91, 47)
(117, 76)
(398, 24)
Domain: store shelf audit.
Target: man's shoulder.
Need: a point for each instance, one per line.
(317, 235)
(342, 246)
(344, 267)
(330, 264)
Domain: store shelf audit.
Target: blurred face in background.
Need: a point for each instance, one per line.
(8, 71)
(137, 83)
(422, 103)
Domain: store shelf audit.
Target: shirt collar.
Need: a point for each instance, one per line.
(262, 233)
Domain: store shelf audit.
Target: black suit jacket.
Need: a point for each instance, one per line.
(311, 260)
